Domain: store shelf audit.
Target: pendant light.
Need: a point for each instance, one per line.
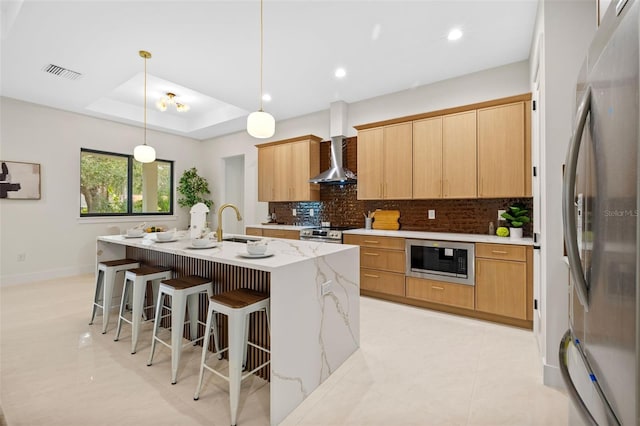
(145, 153)
(261, 124)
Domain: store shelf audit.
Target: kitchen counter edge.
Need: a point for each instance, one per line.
(442, 236)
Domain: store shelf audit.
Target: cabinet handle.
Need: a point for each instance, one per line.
(499, 252)
(371, 276)
(371, 254)
(372, 242)
(437, 288)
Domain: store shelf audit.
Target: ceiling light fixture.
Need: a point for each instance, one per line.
(145, 153)
(261, 124)
(170, 99)
(340, 73)
(454, 34)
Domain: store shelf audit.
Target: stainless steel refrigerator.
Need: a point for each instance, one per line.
(599, 352)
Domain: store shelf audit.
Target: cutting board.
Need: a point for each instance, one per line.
(386, 219)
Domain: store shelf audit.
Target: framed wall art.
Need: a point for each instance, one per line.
(19, 181)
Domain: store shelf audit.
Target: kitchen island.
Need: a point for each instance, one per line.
(314, 289)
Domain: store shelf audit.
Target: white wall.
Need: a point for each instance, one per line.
(56, 242)
(508, 80)
(567, 28)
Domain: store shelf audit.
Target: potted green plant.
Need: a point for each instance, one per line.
(193, 189)
(516, 217)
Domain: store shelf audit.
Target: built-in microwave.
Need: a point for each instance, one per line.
(441, 260)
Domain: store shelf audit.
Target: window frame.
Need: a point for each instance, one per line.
(130, 212)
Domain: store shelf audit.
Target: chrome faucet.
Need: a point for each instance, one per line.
(222, 207)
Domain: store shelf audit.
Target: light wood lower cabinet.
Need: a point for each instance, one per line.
(281, 233)
(382, 263)
(273, 233)
(502, 280)
(451, 294)
(382, 282)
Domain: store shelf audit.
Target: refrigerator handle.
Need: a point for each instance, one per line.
(568, 197)
(566, 340)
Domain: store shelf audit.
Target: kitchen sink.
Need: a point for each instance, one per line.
(240, 239)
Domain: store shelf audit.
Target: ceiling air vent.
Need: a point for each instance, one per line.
(61, 72)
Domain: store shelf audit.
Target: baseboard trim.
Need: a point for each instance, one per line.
(552, 377)
(17, 279)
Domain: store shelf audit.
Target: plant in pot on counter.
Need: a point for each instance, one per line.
(193, 189)
(516, 217)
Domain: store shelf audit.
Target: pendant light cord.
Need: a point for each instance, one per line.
(261, 50)
(145, 100)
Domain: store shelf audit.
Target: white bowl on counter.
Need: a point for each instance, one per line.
(200, 242)
(256, 247)
(165, 236)
(135, 232)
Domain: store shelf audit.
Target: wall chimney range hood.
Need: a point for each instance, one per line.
(337, 172)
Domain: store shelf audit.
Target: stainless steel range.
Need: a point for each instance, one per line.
(323, 234)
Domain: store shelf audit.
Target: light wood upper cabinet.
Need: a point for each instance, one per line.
(384, 162)
(370, 164)
(285, 167)
(444, 156)
(427, 158)
(266, 178)
(502, 151)
(459, 155)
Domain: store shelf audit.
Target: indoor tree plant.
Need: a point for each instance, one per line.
(193, 189)
(516, 217)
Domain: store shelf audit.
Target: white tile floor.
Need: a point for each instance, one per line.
(415, 367)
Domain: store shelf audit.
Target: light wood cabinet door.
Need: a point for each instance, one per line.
(304, 164)
(370, 172)
(382, 259)
(501, 287)
(285, 167)
(501, 151)
(397, 164)
(266, 157)
(459, 155)
(253, 231)
(427, 158)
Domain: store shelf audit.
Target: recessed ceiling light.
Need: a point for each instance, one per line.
(454, 34)
(340, 72)
(266, 97)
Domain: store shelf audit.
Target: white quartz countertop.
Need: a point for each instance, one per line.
(442, 236)
(285, 252)
(282, 227)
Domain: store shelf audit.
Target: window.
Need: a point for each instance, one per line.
(114, 184)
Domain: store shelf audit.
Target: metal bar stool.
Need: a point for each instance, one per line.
(236, 305)
(105, 282)
(138, 278)
(183, 291)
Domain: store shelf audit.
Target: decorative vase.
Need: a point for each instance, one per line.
(515, 233)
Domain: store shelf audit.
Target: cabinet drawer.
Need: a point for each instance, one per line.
(440, 292)
(375, 241)
(382, 282)
(501, 251)
(385, 260)
(279, 233)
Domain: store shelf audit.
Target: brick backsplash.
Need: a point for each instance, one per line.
(339, 205)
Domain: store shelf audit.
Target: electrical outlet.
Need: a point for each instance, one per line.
(326, 287)
(293, 212)
(500, 215)
(22, 257)
(432, 214)
(310, 212)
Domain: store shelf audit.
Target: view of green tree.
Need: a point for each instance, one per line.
(103, 183)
